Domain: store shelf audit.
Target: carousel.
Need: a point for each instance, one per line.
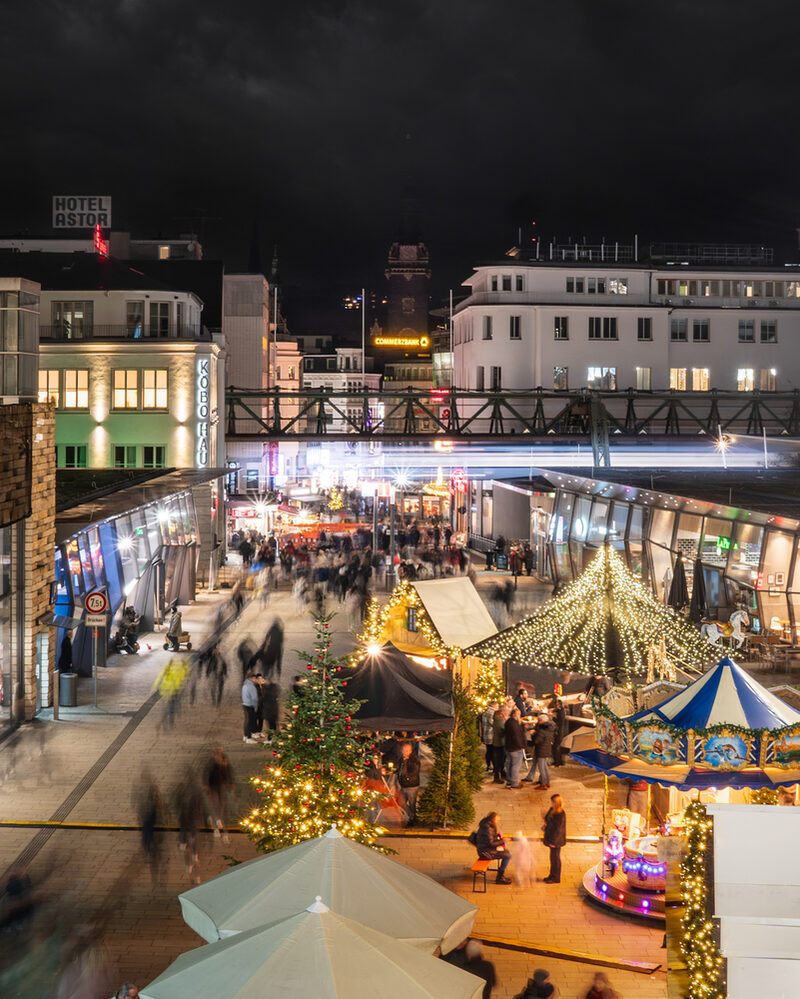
(718, 739)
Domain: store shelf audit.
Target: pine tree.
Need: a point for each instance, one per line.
(468, 742)
(316, 776)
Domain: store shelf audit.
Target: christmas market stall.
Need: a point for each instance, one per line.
(605, 622)
(433, 621)
(354, 881)
(719, 739)
(399, 694)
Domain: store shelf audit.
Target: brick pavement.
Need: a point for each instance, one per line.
(98, 877)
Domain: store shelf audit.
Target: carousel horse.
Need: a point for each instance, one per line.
(715, 631)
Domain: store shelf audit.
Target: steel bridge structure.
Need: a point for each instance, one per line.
(395, 415)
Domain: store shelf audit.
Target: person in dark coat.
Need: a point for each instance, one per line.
(542, 748)
(498, 744)
(519, 698)
(598, 686)
(476, 964)
(555, 836)
(65, 654)
(538, 987)
(527, 558)
(514, 737)
(408, 779)
(491, 846)
(559, 713)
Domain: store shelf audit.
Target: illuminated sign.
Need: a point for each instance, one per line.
(81, 211)
(458, 481)
(202, 410)
(100, 244)
(423, 342)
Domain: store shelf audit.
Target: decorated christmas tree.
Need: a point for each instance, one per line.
(488, 686)
(316, 775)
(605, 620)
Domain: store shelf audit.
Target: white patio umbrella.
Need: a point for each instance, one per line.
(316, 953)
(354, 880)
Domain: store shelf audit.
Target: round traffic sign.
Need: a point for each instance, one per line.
(96, 602)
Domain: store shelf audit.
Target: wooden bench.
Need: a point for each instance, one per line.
(479, 869)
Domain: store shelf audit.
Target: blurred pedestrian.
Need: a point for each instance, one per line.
(127, 991)
(476, 964)
(189, 807)
(555, 836)
(272, 649)
(514, 738)
(169, 685)
(270, 707)
(601, 988)
(522, 855)
(250, 708)
(538, 987)
(218, 784)
(65, 653)
(149, 810)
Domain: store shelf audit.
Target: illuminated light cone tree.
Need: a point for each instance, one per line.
(604, 620)
(316, 775)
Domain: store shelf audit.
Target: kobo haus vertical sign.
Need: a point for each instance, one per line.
(202, 410)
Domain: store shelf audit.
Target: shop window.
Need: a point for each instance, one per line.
(745, 553)
(716, 542)
(74, 456)
(76, 388)
(48, 385)
(125, 388)
(154, 388)
(700, 381)
(153, 456)
(124, 456)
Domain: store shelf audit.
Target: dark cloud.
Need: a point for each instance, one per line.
(675, 120)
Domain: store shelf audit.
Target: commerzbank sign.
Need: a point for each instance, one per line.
(422, 342)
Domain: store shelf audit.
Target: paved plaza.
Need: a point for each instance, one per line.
(85, 769)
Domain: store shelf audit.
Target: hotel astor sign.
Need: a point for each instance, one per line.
(81, 211)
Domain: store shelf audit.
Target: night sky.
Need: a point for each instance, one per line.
(314, 121)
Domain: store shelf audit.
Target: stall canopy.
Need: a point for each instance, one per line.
(400, 694)
(723, 730)
(456, 610)
(354, 880)
(314, 953)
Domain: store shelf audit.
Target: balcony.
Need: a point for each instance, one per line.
(65, 334)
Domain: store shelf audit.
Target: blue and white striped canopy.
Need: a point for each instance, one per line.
(725, 695)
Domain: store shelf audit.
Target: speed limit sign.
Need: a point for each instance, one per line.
(96, 602)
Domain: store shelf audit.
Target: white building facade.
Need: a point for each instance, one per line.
(578, 324)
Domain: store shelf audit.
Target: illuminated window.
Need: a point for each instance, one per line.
(561, 327)
(700, 331)
(48, 385)
(768, 380)
(560, 378)
(125, 457)
(752, 289)
(747, 332)
(76, 389)
(163, 252)
(745, 379)
(125, 389)
(644, 379)
(677, 379)
(700, 379)
(769, 330)
(602, 378)
(678, 329)
(154, 388)
(73, 319)
(618, 286)
(515, 327)
(709, 288)
(74, 456)
(153, 456)
(644, 328)
(487, 327)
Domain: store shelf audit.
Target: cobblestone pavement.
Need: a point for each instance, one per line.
(86, 768)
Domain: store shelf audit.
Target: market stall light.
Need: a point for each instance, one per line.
(701, 954)
(374, 649)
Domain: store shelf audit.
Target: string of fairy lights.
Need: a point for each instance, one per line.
(698, 945)
(377, 625)
(576, 628)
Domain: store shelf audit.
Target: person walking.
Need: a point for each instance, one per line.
(555, 836)
(491, 845)
(476, 964)
(408, 780)
(542, 747)
(498, 744)
(65, 653)
(175, 627)
(218, 784)
(601, 988)
(514, 738)
(527, 558)
(487, 731)
(270, 708)
(250, 707)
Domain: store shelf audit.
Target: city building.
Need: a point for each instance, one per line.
(688, 318)
(340, 371)
(27, 505)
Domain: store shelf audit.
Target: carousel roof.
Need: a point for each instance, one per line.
(725, 695)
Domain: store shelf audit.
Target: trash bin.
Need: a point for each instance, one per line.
(68, 690)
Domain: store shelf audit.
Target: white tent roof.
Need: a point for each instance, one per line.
(456, 610)
(352, 879)
(315, 953)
